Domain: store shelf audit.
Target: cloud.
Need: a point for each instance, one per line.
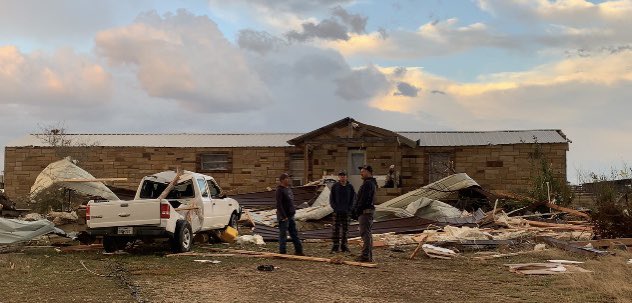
(567, 23)
(586, 97)
(362, 84)
(431, 39)
(259, 41)
(327, 29)
(292, 6)
(185, 58)
(356, 22)
(63, 78)
(405, 89)
(334, 28)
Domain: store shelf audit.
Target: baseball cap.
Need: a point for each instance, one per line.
(284, 176)
(342, 173)
(367, 167)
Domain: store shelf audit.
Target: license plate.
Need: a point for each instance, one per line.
(125, 230)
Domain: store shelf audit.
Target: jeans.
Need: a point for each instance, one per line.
(284, 227)
(340, 230)
(366, 223)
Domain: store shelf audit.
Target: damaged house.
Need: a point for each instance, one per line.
(500, 160)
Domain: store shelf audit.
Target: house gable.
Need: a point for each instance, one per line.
(348, 129)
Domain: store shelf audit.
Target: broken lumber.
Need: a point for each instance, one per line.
(496, 256)
(571, 247)
(422, 240)
(171, 185)
(567, 210)
(294, 257)
(92, 180)
(558, 226)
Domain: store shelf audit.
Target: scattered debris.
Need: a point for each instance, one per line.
(250, 239)
(545, 268)
(62, 173)
(229, 234)
(573, 248)
(294, 257)
(438, 252)
(208, 261)
(266, 267)
(14, 231)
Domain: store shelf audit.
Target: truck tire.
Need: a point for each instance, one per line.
(109, 244)
(233, 220)
(183, 237)
(112, 244)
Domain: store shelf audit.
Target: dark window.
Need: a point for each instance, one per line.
(215, 162)
(440, 165)
(152, 190)
(215, 190)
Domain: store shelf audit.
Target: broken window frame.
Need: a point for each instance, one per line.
(222, 162)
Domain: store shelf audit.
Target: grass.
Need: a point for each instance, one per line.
(43, 275)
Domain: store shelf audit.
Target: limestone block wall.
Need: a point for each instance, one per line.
(252, 169)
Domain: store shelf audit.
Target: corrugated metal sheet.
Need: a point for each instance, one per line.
(172, 140)
(280, 140)
(485, 138)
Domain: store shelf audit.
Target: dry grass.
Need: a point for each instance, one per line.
(612, 278)
(47, 276)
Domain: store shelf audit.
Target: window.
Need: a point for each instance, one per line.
(440, 165)
(152, 190)
(203, 187)
(215, 190)
(215, 162)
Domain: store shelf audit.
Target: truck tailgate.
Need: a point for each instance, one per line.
(124, 213)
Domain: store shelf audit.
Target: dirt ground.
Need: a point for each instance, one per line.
(146, 275)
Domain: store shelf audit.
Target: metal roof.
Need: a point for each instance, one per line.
(486, 137)
(281, 139)
(170, 140)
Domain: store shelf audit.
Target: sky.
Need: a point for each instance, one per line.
(246, 66)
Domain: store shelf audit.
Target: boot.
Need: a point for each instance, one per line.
(345, 249)
(335, 249)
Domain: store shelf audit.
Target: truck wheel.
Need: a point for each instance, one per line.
(183, 237)
(109, 244)
(233, 221)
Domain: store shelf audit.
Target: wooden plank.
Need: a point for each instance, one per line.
(422, 240)
(171, 185)
(294, 257)
(567, 210)
(92, 180)
(558, 226)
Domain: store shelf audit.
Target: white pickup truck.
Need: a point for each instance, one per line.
(194, 205)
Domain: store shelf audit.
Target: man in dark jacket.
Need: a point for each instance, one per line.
(285, 216)
(341, 200)
(364, 210)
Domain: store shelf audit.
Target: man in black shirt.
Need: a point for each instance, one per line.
(364, 209)
(341, 200)
(285, 216)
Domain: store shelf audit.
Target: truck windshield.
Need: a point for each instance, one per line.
(152, 190)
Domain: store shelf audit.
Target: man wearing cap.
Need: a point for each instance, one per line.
(364, 210)
(285, 216)
(341, 200)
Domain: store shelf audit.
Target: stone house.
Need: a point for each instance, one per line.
(252, 162)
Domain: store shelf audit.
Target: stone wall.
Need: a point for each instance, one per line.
(252, 169)
(507, 167)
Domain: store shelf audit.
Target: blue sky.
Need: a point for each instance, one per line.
(281, 65)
